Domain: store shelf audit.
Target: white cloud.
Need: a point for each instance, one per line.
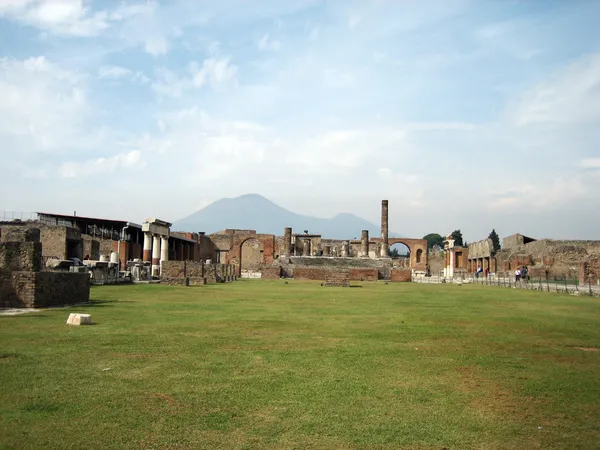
(113, 72)
(214, 72)
(74, 169)
(42, 106)
(590, 163)
(266, 43)
(570, 97)
(63, 17)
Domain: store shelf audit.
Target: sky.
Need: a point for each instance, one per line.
(464, 114)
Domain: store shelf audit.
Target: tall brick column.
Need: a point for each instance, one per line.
(287, 241)
(147, 255)
(364, 244)
(384, 229)
(156, 256)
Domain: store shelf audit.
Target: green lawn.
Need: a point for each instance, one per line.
(264, 364)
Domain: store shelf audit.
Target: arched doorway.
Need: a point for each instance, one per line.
(400, 253)
(251, 257)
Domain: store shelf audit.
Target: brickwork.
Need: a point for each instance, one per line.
(361, 274)
(23, 285)
(321, 273)
(401, 275)
(271, 273)
(338, 279)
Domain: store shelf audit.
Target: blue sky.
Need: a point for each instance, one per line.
(464, 114)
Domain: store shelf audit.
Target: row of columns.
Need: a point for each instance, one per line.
(287, 239)
(156, 249)
(484, 263)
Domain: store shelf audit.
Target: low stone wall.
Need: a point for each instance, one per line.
(401, 275)
(321, 273)
(271, 273)
(41, 289)
(176, 273)
(184, 281)
(363, 274)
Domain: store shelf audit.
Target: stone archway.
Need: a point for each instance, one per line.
(251, 255)
(417, 250)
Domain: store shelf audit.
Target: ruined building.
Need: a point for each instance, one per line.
(23, 281)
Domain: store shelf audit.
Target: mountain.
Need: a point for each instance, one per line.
(254, 212)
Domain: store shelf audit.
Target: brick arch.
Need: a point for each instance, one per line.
(235, 254)
(414, 245)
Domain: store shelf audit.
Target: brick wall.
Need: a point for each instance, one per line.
(363, 274)
(310, 273)
(401, 275)
(271, 273)
(320, 273)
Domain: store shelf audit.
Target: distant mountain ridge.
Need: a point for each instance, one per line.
(255, 212)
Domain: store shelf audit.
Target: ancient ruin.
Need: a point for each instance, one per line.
(24, 283)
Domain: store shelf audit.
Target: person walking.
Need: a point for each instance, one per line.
(518, 275)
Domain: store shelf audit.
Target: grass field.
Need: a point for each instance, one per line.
(263, 364)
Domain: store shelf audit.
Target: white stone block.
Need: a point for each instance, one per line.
(79, 319)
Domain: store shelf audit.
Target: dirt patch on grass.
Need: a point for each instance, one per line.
(492, 399)
(588, 349)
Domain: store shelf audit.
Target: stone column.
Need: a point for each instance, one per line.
(364, 244)
(305, 247)
(156, 256)
(164, 248)
(345, 246)
(147, 255)
(287, 242)
(384, 229)
(326, 250)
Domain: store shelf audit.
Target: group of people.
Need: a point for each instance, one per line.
(522, 274)
(480, 270)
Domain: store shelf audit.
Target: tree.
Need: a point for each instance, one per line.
(393, 253)
(458, 239)
(434, 239)
(495, 240)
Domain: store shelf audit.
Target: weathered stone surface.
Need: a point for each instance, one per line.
(401, 275)
(79, 319)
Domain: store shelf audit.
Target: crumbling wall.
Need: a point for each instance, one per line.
(401, 275)
(321, 273)
(589, 270)
(271, 273)
(23, 285)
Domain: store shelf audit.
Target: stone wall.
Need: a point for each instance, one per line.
(175, 272)
(589, 271)
(42, 289)
(321, 273)
(91, 247)
(401, 275)
(271, 273)
(363, 274)
(21, 256)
